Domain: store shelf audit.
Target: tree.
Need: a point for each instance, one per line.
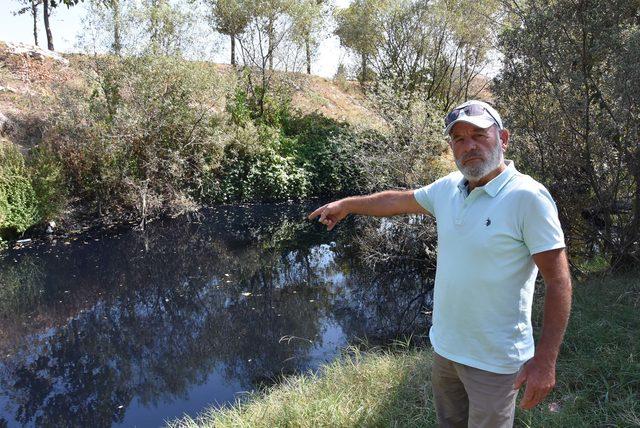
(568, 85)
(230, 17)
(47, 9)
(115, 7)
(31, 6)
(269, 25)
(268, 15)
(167, 25)
(359, 28)
(436, 51)
(308, 20)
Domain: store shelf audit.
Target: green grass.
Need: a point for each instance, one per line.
(598, 372)
(373, 389)
(598, 378)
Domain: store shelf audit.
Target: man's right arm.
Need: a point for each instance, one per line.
(383, 204)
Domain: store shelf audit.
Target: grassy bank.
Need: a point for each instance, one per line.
(598, 378)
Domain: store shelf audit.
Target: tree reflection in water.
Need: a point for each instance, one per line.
(92, 331)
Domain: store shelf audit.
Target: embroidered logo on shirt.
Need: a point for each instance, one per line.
(488, 222)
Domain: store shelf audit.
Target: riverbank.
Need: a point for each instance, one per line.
(101, 139)
(598, 377)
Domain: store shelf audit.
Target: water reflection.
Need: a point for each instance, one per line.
(139, 328)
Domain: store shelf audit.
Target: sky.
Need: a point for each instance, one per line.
(67, 25)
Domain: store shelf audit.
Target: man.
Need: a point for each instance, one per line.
(496, 229)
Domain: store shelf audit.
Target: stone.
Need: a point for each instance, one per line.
(6, 125)
(36, 52)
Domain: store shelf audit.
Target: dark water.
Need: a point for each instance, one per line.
(134, 329)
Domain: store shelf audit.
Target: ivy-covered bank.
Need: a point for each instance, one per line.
(598, 378)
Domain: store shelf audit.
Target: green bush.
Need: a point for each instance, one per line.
(260, 165)
(47, 179)
(145, 139)
(18, 200)
(330, 151)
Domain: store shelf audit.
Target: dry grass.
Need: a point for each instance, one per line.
(28, 81)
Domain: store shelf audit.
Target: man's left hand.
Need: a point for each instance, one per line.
(540, 378)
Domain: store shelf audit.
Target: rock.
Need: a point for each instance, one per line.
(35, 52)
(6, 125)
(51, 226)
(7, 89)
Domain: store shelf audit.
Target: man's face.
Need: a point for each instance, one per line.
(477, 151)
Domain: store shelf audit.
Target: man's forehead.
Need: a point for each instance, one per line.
(465, 127)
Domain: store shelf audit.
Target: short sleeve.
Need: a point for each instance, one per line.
(425, 196)
(541, 226)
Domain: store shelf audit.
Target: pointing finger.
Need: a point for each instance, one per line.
(315, 213)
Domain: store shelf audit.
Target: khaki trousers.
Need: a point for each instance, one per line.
(469, 397)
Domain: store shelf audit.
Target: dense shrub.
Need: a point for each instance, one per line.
(145, 139)
(150, 136)
(31, 189)
(411, 153)
(259, 165)
(47, 179)
(329, 151)
(18, 201)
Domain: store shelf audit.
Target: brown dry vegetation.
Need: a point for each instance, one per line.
(27, 83)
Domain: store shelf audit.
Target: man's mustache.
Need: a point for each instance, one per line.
(473, 154)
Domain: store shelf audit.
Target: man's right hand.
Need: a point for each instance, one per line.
(330, 214)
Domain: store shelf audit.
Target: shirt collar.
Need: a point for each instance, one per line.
(493, 187)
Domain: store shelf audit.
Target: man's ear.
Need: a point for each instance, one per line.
(504, 139)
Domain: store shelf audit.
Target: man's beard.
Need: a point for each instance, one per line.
(478, 170)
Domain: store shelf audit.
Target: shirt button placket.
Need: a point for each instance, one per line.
(465, 207)
(462, 212)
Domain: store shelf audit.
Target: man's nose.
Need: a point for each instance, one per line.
(469, 144)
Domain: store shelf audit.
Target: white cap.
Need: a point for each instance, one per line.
(489, 118)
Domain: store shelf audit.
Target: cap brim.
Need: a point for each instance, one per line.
(479, 121)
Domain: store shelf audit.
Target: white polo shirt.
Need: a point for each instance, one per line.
(485, 274)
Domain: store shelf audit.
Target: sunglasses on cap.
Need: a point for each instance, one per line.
(470, 110)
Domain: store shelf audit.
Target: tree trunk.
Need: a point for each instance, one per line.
(46, 13)
(307, 46)
(34, 12)
(154, 23)
(117, 44)
(233, 50)
(364, 68)
(629, 254)
(270, 40)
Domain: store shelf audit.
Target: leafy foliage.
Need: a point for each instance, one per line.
(358, 27)
(257, 167)
(566, 86)
(329, 151)
(144, 139)
(18, 201)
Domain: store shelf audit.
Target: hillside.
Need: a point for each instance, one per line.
(31, 76)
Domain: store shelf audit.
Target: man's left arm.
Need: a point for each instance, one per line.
(539, 373)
